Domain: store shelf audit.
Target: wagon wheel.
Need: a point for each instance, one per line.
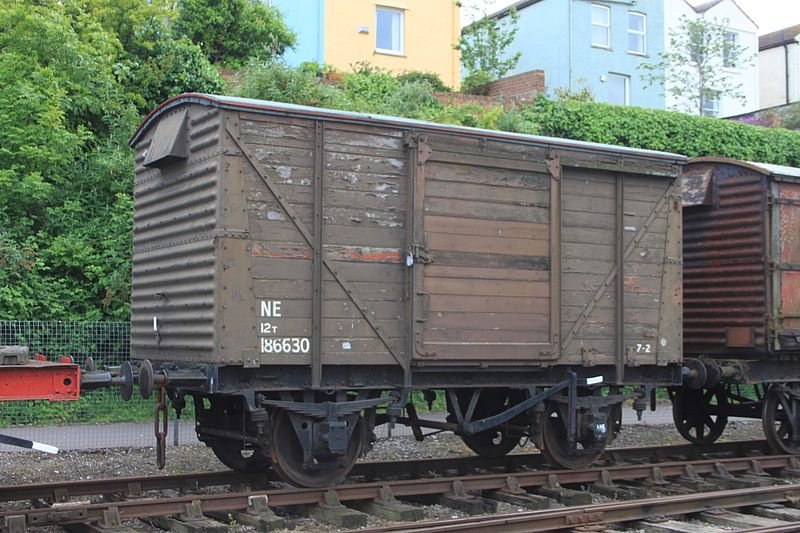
(555, 443)
(231, 453)
(328, 469)
(493, 442)
(781, 417)
(696, 413)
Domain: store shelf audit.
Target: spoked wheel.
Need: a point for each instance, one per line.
(555, 444)
(696, 414)
(781, 417)
(232, 455)
(494, 442)
(326, 470)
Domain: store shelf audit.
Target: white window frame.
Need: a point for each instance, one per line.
(642, 33)
(626, 86)
(733, 37)
(712, 110)
(401, 14)
(606, 26)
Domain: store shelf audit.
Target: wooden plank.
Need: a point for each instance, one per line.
(289, 269)
(487, 354)
(358, 181)
(488, 321)
(353, 346)
(374, 138)
(442, 271)
(490, 304)
(271, 131)
(484, 160)
(391, 291)
(301, 157)
(578, 252)
(498, 177)
(372, 151)
(453, 335)
(298, 308)
(488, 228)
(487, 245)
(471, 259)
(374, 218)
(486, 193)
(487, 210)
(570, 234)
(445, 286)
(355, 234)
(589, 203)
(365, 163)
(369, 272)
(583, 219)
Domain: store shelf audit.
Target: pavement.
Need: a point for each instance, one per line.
(142, 434)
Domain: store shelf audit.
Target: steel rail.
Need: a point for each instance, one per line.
(148, 507)
(606, 513)
(63, 490)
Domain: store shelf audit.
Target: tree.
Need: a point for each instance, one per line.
(64, 165)
(483, 45)
(693, 69)
(232, 31)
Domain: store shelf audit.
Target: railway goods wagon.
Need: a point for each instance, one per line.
(742, 300)
(300, 272)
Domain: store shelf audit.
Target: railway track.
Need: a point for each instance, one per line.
(634, 485)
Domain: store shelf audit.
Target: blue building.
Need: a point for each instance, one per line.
(594, 44)
(307, 19)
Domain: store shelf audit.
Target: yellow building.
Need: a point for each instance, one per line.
(397, 35)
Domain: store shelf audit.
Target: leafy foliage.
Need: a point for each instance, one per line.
(276, 81)
(693, 70)
(64, 168)
(664, 130)
(483, 46)
(231, 32)
(173, 66)
(430, 78)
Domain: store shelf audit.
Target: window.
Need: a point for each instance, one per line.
(637, 33)
(729, 49)
(601, 26)
(710, 107)
(618, 89)
(389, 30)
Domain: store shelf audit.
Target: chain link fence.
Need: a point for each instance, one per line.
(100, 418)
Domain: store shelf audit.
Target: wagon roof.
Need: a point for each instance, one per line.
(767, 169)
(278, 108)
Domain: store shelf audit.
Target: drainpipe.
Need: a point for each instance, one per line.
(786, 69)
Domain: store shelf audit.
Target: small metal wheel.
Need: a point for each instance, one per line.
(231, 453)
(555, 444)
(696, 413)
(326, 470)
(493, 442)
(781, 417)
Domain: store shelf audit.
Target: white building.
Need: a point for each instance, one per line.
(741, 30)
(779, 67)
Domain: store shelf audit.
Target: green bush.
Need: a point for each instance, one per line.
(412, 100)
(276, 81)
(231, 32)
(430, 78)
(477, 83)
(669, 131)
(174, 66)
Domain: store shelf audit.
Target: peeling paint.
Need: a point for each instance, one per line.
(275, 215)
(284, 172)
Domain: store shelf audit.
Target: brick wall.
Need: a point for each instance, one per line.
(517, 90)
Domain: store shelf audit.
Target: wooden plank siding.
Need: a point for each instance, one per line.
(487, 227)
(372, 241)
